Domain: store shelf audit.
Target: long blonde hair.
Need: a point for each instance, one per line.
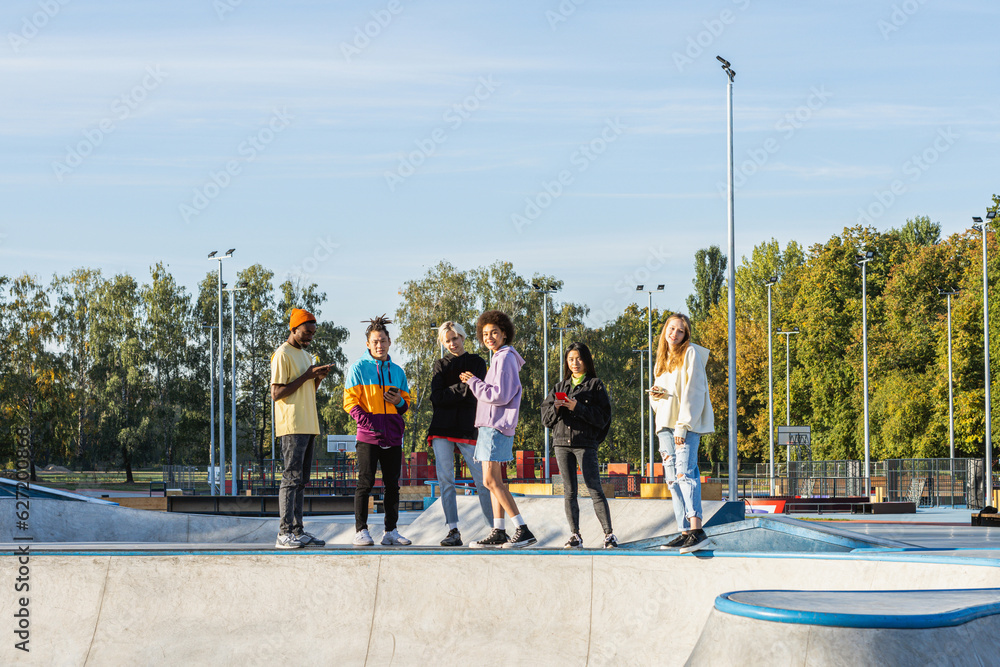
(667, 359)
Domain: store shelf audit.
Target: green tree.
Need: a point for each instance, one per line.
(709, 277)
(921, 231)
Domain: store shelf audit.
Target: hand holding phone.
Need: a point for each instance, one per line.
(560, 395)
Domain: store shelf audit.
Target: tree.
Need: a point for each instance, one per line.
(709, 277)
(120, 372)
(921, 231)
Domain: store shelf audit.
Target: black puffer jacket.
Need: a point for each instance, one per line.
(587, 425)
(454, 405)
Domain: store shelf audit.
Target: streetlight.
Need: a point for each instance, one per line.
(951, 404)
(642, 427)
(211, 406)
(788, 388)
(545, 289)
(562, 369)
(980, 226)
(770, 381)
(241, 287)
(731, 280)
(649, 343)
(862, 260)
(222, 377)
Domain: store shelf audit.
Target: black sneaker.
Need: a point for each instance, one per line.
(495, 540)
(310, 540)
(697, 541)
(574, 542)
(454, 539)
(676, 542)
(610, 541)
(522, 538)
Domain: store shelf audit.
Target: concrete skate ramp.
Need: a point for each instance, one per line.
(416, 606)
(633, 519)
(893, 628)
(60, 521)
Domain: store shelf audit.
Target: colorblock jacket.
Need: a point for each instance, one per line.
(499, 393)
(379, 423)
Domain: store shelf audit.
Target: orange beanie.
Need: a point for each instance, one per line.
(300, 316)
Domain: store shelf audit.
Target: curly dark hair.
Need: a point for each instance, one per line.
(498, 319)
(377, 324)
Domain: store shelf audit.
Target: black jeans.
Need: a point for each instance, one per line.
(391, 460)
(297, 452)
(568, 458)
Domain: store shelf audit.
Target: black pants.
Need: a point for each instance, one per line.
(391, 460)
(568, 458)
(297, 453)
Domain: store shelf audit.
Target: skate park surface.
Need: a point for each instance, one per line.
(110, 585)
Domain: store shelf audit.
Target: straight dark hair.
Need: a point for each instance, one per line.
(585, 357)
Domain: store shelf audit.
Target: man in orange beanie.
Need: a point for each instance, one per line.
(294, 379)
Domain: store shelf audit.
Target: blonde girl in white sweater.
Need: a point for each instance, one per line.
(679, 397)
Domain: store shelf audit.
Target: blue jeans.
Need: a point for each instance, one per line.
(680, 471)
(444, 460)
(297, 454)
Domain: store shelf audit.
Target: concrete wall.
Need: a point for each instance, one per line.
(408, 607)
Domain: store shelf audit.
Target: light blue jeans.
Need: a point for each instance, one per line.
(680, 471)
(444, 460)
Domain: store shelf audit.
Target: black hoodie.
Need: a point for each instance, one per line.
(588, 424)
(454, 405)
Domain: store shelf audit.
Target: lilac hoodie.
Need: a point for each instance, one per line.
(499, 393)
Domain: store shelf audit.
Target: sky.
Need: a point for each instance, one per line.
(357, 144)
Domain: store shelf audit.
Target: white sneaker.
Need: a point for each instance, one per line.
(393, 538)
(363, 538)
(287, 541)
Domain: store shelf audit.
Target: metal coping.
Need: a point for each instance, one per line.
(724, 603)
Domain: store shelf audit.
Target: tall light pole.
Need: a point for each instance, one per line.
(788, 386)
(731, 280)
(862, 261)
(545, 289)
(642, 427)
(241, 287)
(649, 344)
(562, 366)
(770, 381)
(222, 378)
(980, 226)
(211, 406)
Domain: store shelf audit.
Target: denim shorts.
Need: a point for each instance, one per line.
(492, 445)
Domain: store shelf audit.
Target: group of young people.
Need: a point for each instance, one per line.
(476, 411)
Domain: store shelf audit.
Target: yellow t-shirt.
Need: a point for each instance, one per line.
(295, 414)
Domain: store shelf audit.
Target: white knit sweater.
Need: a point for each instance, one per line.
(687, 407)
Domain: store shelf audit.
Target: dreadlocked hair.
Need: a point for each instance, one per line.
(377, 324)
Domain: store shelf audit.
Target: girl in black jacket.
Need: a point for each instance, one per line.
(578, 411)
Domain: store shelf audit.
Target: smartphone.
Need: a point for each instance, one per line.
(560, 395)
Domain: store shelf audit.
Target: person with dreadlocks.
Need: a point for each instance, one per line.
(376, 396)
